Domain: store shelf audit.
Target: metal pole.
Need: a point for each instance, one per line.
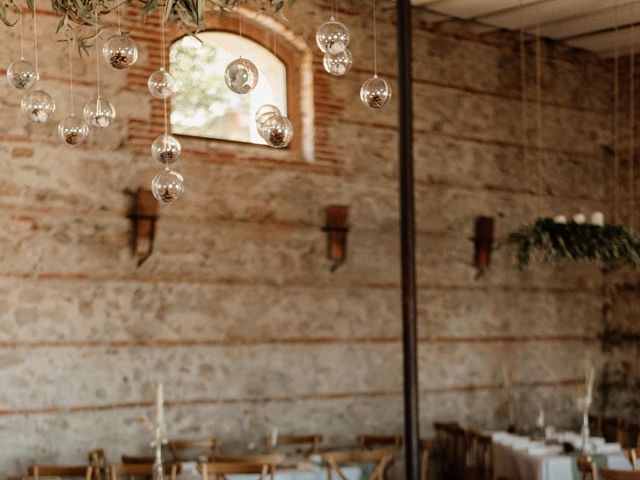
(407, 243)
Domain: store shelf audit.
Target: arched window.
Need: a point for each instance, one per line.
(203, 105)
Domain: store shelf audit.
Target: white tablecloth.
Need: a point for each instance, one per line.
(518, 458)
(190, 472)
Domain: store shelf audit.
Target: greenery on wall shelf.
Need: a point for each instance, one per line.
(611, 246)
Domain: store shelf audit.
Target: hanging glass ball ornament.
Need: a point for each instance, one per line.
(241, 76)
(37, 106)
(264, 112)
(166, 149)
(277, 131)
(99, 113)
(73, 130)
(375, 93)
(161, 84)
(120, 51)
(338, 64)
(167, 186)
(22, 75)
(332, 37)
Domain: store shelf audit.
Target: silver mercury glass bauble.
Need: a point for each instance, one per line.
(73, 130)
(22, 75)
(120, 51)
(166, 149)
(167, 186)
(338, 64)
(277, 131)
(375, 92)
(37, 106)
(241, 76)
(99, 113)
(332, 37)
(161, 84)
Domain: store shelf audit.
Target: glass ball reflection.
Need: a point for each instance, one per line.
(241, 76)
(120, 51)
(161, 84)
(264, 113)
(99, 113)
(332, 37)
(22, 75)
(73, 130)
(338, 64)
(167, 186)
(375, 93)
(166, 149)
(277, 131)
(37, 106)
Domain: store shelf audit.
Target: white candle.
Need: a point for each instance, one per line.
(597, 218)
(274, 437)
(560, 219)
(160, 404)
(579, 218)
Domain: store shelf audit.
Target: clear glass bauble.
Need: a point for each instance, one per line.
(73, 130)
(375, 92)
(120, 51)
(277, 131)
(166, 149)
(332, 37)
(99, 113)
(161, 84)
(37, 106)
(263, 114)
(338, 64)
(241, 76)
(167, 186)
(22, 75)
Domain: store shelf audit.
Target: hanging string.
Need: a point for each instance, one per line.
(35, 38)
(375, 42)
(539, 96)
(97, 50)
(239, 23)
(616, 125)
(71, 102)
(333, 14)
(524, 100)
(118, 16)
(632, 74)
(21, 34)
(164, 66)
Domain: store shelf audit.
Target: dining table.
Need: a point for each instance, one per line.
(519, 457)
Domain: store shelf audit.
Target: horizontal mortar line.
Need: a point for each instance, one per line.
(54, 410)
(164, 343)
(294, 284)
(472, 139)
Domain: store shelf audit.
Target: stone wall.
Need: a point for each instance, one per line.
(237, 311)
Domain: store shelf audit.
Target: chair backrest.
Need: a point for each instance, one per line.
(130, 470)
(393, 443)
(425, 449)
(632, 454)
(479, 453)
(606, 474)
(37, 471)
(138, 459)
(586, 468)
(337, 459)
(98, 462)
(220, 469)
(188, 449)
(271, 460)
(306, 444)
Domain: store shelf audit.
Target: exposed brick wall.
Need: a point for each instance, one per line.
(237, 311)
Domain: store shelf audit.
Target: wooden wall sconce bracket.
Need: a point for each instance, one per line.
(144, 214)
(483, 242)
(337, 228)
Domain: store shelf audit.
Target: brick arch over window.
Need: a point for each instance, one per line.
(290, 49)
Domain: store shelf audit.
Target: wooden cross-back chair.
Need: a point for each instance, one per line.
(425, 449)
(607, 474)
(632, 454)
(144, 470)
(479, 451)
(219, 470)
(206, 446)
(442, 446)
(77, 471)
(305, 444)
(337, 460)
(271, 460)
(613, 429)
(98, 462)
(393, 444)
(586, 468)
